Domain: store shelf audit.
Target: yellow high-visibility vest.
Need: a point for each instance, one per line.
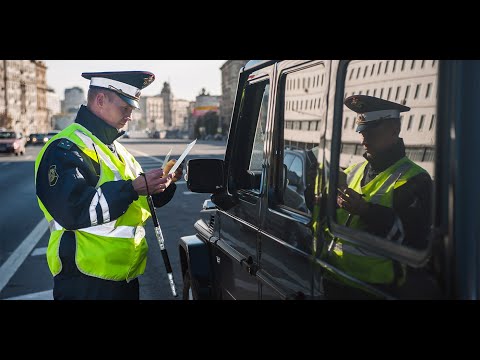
(116, 249)
(358, 262)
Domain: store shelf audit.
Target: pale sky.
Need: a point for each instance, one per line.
(186, 77)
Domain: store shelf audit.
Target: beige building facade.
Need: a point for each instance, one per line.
(23, 96)
(230, 70)
(409, 82)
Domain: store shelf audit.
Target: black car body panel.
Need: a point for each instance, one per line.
(267, 235)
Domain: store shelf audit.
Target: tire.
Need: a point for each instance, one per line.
(187, 293)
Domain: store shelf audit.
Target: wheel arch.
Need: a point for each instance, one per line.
(195, 258)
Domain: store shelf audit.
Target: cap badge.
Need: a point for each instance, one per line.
(147, 81)
(361, 119)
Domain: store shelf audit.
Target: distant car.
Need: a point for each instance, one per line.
(12, 142)
(35, 139)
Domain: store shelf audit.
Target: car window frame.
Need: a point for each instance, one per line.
(416, 258)
(276, 200)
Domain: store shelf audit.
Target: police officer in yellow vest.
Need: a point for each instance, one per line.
(387, 195)
(90, 189)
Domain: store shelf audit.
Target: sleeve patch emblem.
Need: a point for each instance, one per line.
(52, 175)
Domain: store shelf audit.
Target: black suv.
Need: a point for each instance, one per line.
(266, 233)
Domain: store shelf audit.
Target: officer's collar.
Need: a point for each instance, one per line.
(104, 132)
(387, 158)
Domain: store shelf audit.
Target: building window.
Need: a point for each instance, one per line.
(420, 124)
(417, 90)
(351, 74)
(427, 93)
(410, 121)
(397, 93)
(407, 90)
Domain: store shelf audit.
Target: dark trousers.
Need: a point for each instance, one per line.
(71, 284)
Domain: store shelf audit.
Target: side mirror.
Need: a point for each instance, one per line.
(205, 175)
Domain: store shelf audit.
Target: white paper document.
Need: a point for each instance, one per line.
(167, 157)
(182, 157)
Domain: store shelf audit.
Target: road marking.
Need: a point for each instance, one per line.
(10, 267)
(191, 193)
(39, 251)
(42, 295)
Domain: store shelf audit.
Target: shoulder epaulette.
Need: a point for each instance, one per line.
(65, 144)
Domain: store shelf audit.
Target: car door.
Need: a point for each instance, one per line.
(286, 234)
(405, 244)
(236, 249)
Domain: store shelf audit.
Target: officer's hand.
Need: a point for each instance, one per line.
(155, 180)
(352, 202)
(177, 175)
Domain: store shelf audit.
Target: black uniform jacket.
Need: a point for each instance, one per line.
(411, 201)
(68, 191)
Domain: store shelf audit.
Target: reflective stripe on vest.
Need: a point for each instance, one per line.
(91, 145)
(113, 250)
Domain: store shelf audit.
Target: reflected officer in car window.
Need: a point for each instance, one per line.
(387, 195)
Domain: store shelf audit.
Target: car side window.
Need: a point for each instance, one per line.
(397, 179)
(256, 158)
(247, 160)
(301, 124)
(382, 143)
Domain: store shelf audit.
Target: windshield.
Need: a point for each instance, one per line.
(7, 135)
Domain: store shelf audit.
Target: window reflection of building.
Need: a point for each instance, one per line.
(303, 126)
(303, 96)
(412, 82)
